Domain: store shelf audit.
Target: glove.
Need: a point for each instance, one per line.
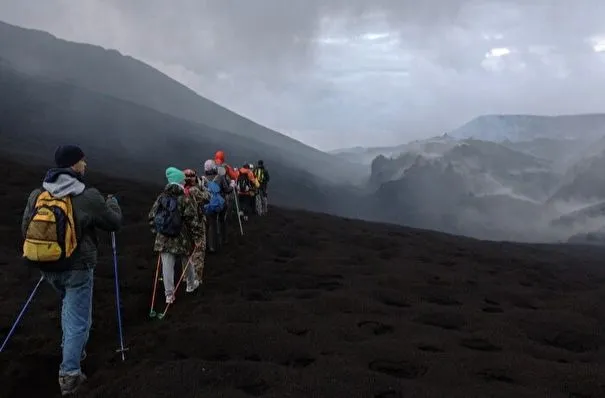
(232, 184)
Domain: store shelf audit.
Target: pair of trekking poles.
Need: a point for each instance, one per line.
(152, 312)
(122, 349)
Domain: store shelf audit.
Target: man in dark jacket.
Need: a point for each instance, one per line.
(262, 176)
(91, 210)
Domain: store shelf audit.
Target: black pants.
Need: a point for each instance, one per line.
(247, 204)
(216, 232)
(212, 232)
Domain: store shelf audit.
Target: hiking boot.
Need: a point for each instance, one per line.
(70, 384)
(191, 289)
(170, 299)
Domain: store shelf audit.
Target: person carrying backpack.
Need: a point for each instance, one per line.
(65, 203)
(230, 172)
(217, 208)
(231, 175)
(263, 177)
(247, 186)
(200, 196)
(174, 220)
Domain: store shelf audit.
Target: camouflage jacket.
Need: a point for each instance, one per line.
(192, 230)
(199, 197)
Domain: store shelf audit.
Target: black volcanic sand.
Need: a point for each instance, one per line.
(309, 305)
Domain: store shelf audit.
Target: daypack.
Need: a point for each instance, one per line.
(259, 173)
(50, 238)
(167, 220)
(216, 202)
(243, 183)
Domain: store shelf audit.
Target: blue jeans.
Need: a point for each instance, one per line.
(75, 288)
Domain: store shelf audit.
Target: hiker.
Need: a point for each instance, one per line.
(216, 214)
(200, 196)
(173, 219)
(71, 275)
(231, 175)
(263, 178)
(230, 172)
(246, 186)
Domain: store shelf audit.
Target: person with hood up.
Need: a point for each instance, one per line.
(196, 192)
(247, 185)
(90, 211)
(174, 220)
(217, 223)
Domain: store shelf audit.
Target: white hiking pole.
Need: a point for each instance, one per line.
(239, 217)
(222, 171)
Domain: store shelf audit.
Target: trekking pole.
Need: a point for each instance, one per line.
(239, 219)
(31, 296)
(119, 313)
(176, 288)
(152, 312)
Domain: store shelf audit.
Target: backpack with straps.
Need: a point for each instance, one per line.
(243, 183)
(50, 238)
(167, 220)
(259, 173)
(216, 202)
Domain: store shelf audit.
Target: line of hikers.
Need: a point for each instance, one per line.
(191, 215)
(61, 218)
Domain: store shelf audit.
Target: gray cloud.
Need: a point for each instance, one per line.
(348, 72)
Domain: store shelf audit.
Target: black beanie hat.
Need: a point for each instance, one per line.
(68, 155)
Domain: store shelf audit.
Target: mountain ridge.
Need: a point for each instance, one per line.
(40, 53)
(33, 107)
(516, 127)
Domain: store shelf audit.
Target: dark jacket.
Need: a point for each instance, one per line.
(221, 180)
(266, 176)
(91, 211)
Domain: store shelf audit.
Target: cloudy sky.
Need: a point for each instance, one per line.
(336, 73)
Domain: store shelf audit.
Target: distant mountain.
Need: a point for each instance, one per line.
(583, 216)
(489, 169)
(108, 72)
(583, 182)
(477, 188)
(596, 238)
(562, 153)
(419, 198)
(434, 195)
(514, 128)
(427, 147)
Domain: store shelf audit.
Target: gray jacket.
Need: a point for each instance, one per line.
(91, 211)
(221, 180)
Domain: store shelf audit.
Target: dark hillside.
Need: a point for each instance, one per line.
(41, 54)
(313, 305)
(126, 139)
